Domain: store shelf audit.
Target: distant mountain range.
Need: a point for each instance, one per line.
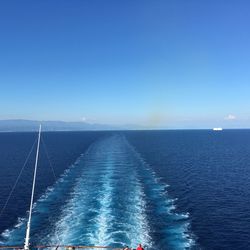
(32, 125)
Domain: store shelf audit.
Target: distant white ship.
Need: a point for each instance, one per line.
(217, 129)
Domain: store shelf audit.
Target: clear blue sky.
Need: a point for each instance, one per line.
(159, 63)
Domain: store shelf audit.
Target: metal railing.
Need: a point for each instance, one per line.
(66, 247)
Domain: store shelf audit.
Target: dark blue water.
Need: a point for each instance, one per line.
(166, 189)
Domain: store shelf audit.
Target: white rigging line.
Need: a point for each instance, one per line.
(46, 152)
(53, 171)
(17, 179)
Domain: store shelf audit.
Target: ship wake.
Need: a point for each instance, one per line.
(109, 197)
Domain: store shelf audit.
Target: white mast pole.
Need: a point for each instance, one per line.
(27, 237)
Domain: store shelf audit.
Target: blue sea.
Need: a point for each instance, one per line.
(179, 189)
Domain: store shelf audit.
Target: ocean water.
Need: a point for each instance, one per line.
(164, 189)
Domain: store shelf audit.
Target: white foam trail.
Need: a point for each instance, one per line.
(101, 237)
(90, 217)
